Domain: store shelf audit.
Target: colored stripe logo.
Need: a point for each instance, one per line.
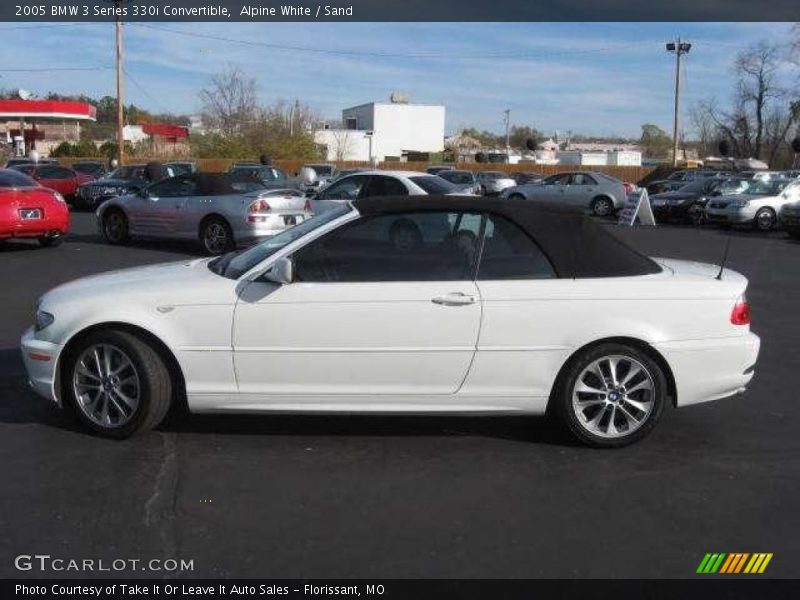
(734, 563)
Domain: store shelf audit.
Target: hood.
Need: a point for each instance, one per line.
(177, 283)
(675, 195)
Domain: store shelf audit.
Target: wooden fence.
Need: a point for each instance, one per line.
(291, 167)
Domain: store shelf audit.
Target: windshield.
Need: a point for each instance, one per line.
(766, 188)
(87, 168)
(698, 185)
(235, 264)
(433, 184)
(123, 173)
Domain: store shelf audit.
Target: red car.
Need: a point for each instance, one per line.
(61, 179)
(29, 210)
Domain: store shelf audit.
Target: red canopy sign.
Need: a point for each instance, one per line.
(47, 109)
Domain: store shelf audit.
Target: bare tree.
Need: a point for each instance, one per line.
(756, 88)
(343, 140)
(230, 101)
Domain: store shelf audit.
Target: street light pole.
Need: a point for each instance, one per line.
(507, 118)
(679, 48)
(120, 85)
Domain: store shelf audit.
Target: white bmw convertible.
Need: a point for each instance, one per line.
(402, 305)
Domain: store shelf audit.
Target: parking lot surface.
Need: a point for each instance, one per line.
(289, 496)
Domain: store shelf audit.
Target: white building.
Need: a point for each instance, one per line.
(398, 130)
(576, 157)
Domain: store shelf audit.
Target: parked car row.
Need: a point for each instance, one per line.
(741, 200)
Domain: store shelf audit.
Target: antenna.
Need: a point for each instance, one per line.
(725, 254)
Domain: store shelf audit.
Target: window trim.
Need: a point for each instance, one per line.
(484, 220)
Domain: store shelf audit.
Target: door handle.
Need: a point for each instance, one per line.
(454, 299)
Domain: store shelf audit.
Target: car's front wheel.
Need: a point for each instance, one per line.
(117, 383)
(611, 395)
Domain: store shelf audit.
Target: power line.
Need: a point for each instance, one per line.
(450, 56)
(48, 69)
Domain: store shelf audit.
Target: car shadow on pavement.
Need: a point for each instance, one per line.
(182, 247)
(20, 405)
(536, 430)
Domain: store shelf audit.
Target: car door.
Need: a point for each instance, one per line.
(381, 309)
(553, 188)
(580, 191)
(156, 211)
(526, 322)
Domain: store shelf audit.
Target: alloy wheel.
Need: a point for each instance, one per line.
(613, 396)
(215, 238)
(114, 227)
(602, 207)
(106, 385)
(765, 220)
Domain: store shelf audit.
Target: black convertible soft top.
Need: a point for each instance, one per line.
(576, 245)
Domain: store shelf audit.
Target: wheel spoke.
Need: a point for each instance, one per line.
(642, 406)
(612, 369)
(83, 370)
(584, 388)
(629, 418)
(645, 384)
(632, 372)
(611, 428)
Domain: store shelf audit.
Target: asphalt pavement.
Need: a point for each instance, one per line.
(386, 497)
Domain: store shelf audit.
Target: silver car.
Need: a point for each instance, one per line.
(218, 210)
(493, 183)
(464, 181)
(600, 193)
(758, 207)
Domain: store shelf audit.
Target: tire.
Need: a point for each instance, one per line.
(588, 415)
(216, 236)
(602, 206)
(765, 219)
(696, 216)
(115, 226)
(130, 397)
(46, 241)
(516, 197)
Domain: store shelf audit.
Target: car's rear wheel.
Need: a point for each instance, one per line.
(765, 219)
(516, 197)
(696, 215)
(117, 384)
(216, 236)
(602, 206)
(115, 226)
(611, 395)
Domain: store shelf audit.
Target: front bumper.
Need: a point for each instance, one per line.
(41, 360)
(713, 369)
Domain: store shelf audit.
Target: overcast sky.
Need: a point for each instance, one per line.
(593, 78)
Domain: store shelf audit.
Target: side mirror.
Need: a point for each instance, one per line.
(281, 272)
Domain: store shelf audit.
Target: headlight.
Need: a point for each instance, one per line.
(739, 203)
(42, 319)
(59, 197)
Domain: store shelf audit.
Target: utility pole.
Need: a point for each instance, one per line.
(507, 118)
(120, 85)
(679, 48)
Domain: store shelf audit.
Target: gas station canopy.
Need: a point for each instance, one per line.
(47, 109)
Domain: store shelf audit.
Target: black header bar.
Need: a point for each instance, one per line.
(399, 10)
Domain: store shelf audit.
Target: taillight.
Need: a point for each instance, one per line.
(740, 315)
(258, 206)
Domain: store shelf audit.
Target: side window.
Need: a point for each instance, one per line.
(560, 179)
(508, 253)
(381, 185)
(583, 179)
(346, 189)
(172, 188)
(398, 247)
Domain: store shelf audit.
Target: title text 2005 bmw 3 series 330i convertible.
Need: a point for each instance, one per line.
(402, 305)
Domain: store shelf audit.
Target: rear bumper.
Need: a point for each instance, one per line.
(271, 225)
(713, 369)
(41, 359)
